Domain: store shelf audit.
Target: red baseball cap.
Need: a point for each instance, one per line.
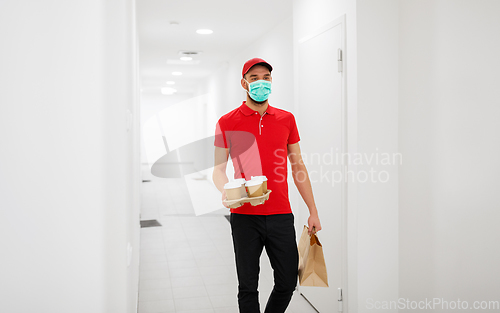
(255, 61)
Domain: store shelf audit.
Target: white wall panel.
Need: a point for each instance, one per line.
(450, 139)
(67, 166)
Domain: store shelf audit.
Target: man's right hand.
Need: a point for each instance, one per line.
(219, 177)
(224, 198)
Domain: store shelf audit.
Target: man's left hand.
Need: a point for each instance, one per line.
(313, 222)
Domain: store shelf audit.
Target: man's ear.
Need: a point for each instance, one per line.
(243, 84)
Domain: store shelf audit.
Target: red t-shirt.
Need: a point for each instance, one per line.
(258, 146)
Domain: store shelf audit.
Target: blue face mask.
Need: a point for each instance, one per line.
(259, 90)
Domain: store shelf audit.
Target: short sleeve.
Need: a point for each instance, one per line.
(220, 135)
(293, 136)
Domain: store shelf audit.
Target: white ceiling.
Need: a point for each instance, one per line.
(236, 24)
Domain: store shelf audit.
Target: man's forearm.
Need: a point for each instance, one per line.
(301, 180)
(220, 179)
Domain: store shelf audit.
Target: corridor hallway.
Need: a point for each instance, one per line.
(187, 263)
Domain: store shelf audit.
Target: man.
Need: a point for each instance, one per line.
(259, 139)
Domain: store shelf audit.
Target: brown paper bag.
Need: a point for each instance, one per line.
(312, 267)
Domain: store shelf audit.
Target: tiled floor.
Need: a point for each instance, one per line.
(187, 264)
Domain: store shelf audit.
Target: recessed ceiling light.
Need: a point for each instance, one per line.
(176, 73)
(186, 58)
(170, 82)
(168, 91)
(204, 31)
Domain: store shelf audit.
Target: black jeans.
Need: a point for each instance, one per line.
(277, 233)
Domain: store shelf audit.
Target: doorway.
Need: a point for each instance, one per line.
(321, 108)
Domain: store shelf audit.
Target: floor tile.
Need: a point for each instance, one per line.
(222, 290)
(215, 261)
(155, 239)
(156, 294)
(219, 279)
(224, 301)
(187, 304)
(154, 274)
(215, 270)
(180, 243)
(180, 255)
(233, 309)
(152, 258)
(207, 248)
(172, 265)
(189, 292)
(154, 266)
(152, 245)
(149, 284)
(186, 281)
(157, 251)
(185, 272)
(161, 306)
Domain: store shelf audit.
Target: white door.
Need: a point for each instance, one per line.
(321, 122)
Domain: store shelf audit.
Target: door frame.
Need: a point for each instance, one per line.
(339, 21)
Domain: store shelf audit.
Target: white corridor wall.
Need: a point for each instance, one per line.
(449, 136)
(69, 169)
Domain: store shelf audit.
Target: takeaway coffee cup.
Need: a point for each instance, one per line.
(264, 182)
(254, 188)
(242, 181)
(233, 190)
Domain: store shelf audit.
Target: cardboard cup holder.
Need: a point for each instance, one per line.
(253, 200)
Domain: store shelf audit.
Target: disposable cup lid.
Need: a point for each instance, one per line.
(232, 185)
(263, 178)
(240, 180)
(253, 183)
